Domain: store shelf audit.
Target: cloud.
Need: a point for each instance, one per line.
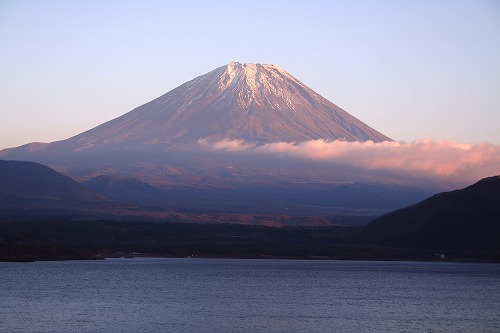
(227, 145)
(438, 160)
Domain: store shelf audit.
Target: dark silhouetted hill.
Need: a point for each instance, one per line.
(32, 191)
(29, 184)
(463, 220)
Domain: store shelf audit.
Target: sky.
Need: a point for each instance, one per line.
(410, 69)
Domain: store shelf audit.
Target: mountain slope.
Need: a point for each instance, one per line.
(254, 102)
(128, 190)
(466, 219)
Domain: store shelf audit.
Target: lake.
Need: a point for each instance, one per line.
(225, 295)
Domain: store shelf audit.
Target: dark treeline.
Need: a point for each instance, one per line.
(59, 240)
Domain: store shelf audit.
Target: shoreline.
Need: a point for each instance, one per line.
(261, 257)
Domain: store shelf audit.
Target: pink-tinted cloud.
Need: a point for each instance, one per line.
(439, 160)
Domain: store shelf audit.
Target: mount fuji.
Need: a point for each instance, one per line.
(252, 102)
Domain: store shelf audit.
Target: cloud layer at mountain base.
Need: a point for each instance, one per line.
(444, 161)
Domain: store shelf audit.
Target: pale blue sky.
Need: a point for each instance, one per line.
(410, 69)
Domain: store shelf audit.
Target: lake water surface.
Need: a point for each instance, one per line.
(215, 295)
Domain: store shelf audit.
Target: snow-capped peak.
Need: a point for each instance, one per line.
(256, 102)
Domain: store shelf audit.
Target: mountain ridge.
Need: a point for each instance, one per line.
(253, 102)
